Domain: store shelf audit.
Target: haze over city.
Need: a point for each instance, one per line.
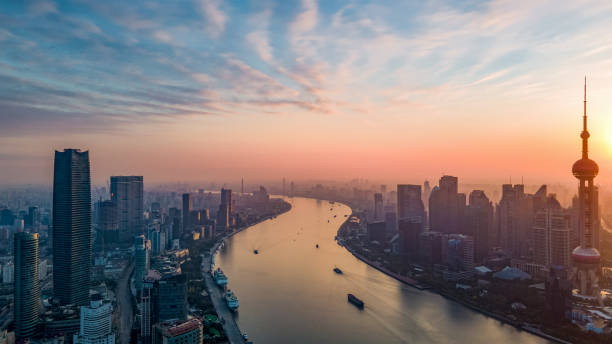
(313, 90)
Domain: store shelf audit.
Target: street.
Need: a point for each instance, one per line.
(124, 305)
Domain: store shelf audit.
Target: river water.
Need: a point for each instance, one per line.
(289, 294)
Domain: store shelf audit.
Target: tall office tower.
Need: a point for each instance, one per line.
(447, 207)
(514, 218)
(147, 306)
(479, 223)
(71, 227)
(96, 323)
(552, 236)
(409, 203)
(586, 259)
(142, 247)
(183, 332)
(410, 229)
(187, 205)
(378, 207)
(226, 198)
(174, 223)
(127, 194)
(27, 292)
(108, 222)
(33, 217)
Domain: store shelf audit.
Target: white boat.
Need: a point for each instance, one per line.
(231, 300)
(220, 278)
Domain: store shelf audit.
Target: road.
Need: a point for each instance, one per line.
(216, 294)
(124, 305)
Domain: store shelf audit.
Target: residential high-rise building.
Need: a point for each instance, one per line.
(409, 202)
(127, 194)
(479, 223)
(552, 236)
(96, 323)
(27, 292)
(187, 205)
(71, 227)
(227, 199)
(447, 207)
(459, 252)
(586, 258)
(147, 306)
(182, 332)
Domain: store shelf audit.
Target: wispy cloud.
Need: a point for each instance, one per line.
(214, 16)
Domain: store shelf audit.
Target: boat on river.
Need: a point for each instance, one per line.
(337, 270)
(220, 278)
(355, 301)
(231, 300)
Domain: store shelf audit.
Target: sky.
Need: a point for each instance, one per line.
(385, 90)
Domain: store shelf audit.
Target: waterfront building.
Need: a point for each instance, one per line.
(431, 247)
(96, 323)
(586, 258)
(459, 252)
(71, 227)
(180, 332)
(378, 207)
(377, 231)
(479, 217)
(187, 205)
(409, 202)
(409, 229)
(446, 207)
(391, 222)
(127, 194)
(27, 292)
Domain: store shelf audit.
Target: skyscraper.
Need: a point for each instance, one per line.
(378, 206)
(552, 236)
(446, 207)
(514, 219)
(127, 194)
(587, 260)
(409, 203)
(187, 205)
(27, 292)
(479, 223)
(71, 227)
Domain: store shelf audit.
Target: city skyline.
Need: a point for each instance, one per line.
(389, 86)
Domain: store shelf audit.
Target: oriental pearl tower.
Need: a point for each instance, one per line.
(585, 258)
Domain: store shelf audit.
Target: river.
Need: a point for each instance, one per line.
(289, 294)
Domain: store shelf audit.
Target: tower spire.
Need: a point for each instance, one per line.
(585, 133)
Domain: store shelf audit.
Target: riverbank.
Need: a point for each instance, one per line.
(418, 285)
(230, 326)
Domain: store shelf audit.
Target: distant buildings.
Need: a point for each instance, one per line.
(127, 194)
(108, 222)
(27, 292)
(410, 230)
(226, 209)
(71, 227)
(446, 207)
(142, 247)
(187, 205)
(409, 203)
(377, 231)
(96, 323)
(514, 217)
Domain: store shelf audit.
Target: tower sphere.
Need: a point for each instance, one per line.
(585, 168)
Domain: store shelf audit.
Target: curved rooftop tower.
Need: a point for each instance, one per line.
(585, 258)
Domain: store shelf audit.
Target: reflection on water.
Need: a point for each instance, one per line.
(289, 293)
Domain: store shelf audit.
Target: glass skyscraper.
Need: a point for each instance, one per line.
(71, 227)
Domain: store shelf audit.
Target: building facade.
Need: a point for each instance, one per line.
(27, 293)
(127, 194)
